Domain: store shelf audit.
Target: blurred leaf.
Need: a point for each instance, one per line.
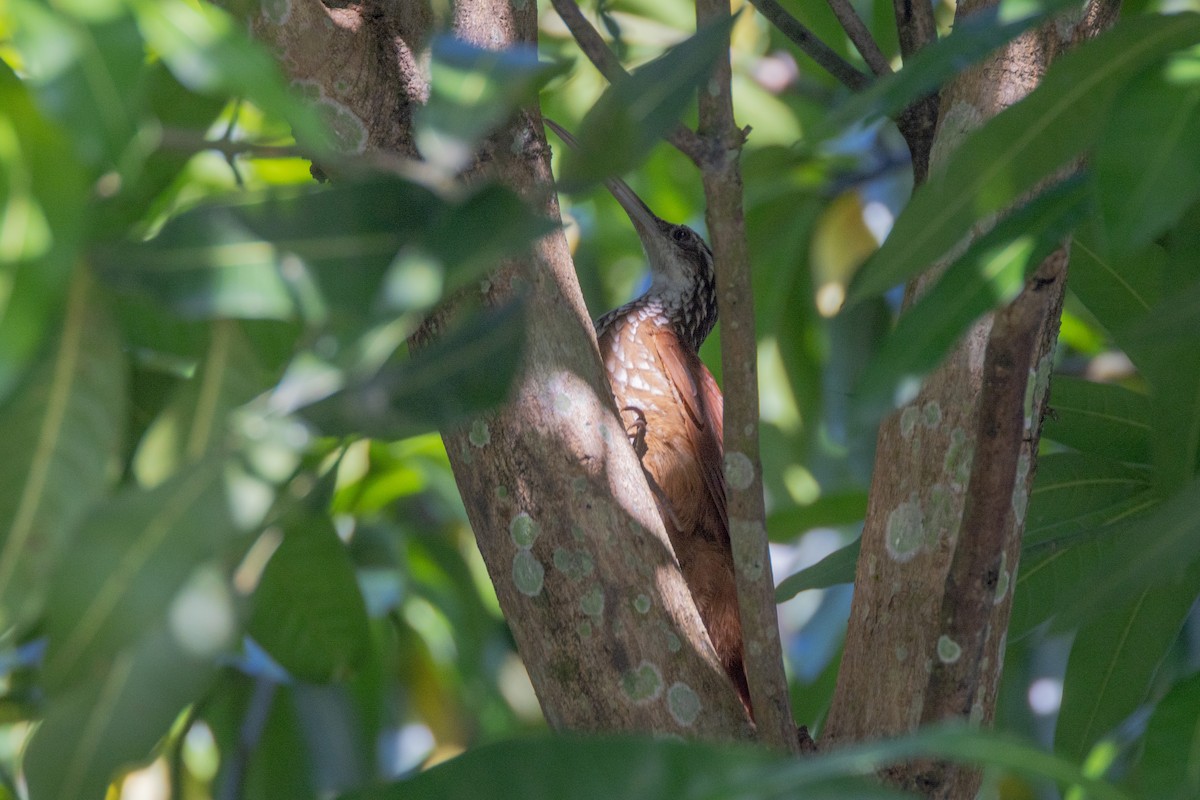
(310, 253)
(112, 720)
(990, 274)
(308, 612)
(195, 422)
(837, 567)
(1114, 658)
(557, 767)
(42, 196)
(472, 92)
(1117, 291)
(1143, 551)
(1099, 418)
(211, 53)
(130, 557)
(971, 40)
(1166, 340)
(1075, 493)
(1144, 189)
(278, 766)
(827, 511)
(89, 77)
(1170, 765)
(465, 372)
(60, 431)
(1021, 146)
(633, 114)
(148, 178)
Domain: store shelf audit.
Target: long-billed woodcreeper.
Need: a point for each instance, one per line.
(672, 407)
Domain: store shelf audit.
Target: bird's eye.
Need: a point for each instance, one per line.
(680, 234)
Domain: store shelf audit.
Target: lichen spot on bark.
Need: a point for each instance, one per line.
(959, 455)
(641, 604)
(592, 602)
(908, 421)
(523, 530)
(948, 650)
(931, 414)
(1020, 498)
(1002, 581)
(575, 564)
(683, 703)
(739, 470)
(277, 11)
(584, 629)
(943, 515)
(747, 540)
(349, 131)
(528, 573)
(480, 436)
(643, 684)
(905, 531)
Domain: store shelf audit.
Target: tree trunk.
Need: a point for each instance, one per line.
(562, 514)
(953, 470)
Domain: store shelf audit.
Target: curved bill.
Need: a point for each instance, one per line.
(639, 213)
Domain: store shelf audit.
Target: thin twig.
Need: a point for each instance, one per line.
(196, 142)
(813, 47)
(598, 52)
(860, 37)
(722, 178)
(251, 731)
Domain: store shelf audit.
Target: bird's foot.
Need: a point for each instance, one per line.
(637, 431)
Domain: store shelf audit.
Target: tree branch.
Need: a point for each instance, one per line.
(860, 37)
(606, 61)
(562, 514)
(915, 25)
(813, 47)
(725, 215)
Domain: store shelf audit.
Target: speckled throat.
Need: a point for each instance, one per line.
(691, 310)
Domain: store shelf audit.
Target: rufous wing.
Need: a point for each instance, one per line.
(705, 408)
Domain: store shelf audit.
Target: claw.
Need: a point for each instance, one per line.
(637, 431)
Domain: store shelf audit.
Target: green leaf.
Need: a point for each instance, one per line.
(113, 720)
(1170, 763)
(60, 431)
(990, 274)
(1143, 551)
(1167, 340)
(210, 53)
(195, 422)
(308, 612)
(1075, 493)
(1117, 291)
(843, 508)
(1020, 147)
(131, 556)
(1115, 657)
(88, 76)
(465, 372)
(1144, 189)
(324, 252)
(633, 114)
(837, 567)
(472, 92)
(1099, 418)
(579, 768)
(971, 40)
(42, 196)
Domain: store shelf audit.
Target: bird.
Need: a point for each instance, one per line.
(673, 410)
